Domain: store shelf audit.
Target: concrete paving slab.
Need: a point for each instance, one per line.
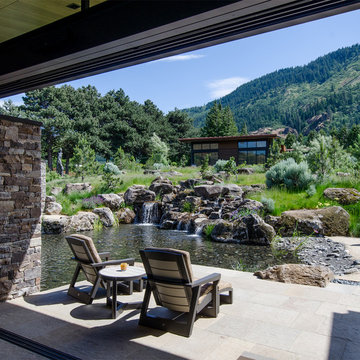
(268, 320)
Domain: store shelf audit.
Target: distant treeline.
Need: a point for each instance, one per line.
(106, 122)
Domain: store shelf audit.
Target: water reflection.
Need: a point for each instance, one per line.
(126, 240)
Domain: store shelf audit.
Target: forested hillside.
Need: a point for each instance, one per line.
(328, 86)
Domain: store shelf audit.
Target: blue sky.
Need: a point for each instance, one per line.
(200, 76)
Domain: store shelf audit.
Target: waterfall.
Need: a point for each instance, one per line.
(149, 213)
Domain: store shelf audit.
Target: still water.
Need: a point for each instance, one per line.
(126, 240)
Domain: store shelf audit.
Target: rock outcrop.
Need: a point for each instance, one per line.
(344, 196)
(298, 274)
(77, 187)
(250, 229)
(105, 215)
(125, 216)
(51, 206)
(82, 221)
(138, 194)
(112, 201)
(329, 221)
(162, 186)
(55, 224)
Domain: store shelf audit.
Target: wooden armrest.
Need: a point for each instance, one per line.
(105, 254)
(209, 278)
(130, 261)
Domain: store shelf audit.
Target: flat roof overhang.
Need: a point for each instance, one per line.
(117, 34)
(229, 138)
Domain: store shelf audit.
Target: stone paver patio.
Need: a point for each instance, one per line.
(267, 320)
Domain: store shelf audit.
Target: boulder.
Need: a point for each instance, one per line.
(112, 201)
(330, 221)
(125, 216)
(82, 221)
(137, 194)
(105, 215)
(52, 208)
(168, 198)
(55, 224)
(50, 199)
(161, 186)
(191, 183)
(250, 229)
(175, 220)
(245, 171)
(77, 187)
(247, 189)
(248, 205)
(232, 189)
(210, 192)
(344, 196)
(298, 274)
(56, 191)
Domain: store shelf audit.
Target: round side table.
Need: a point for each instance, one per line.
(112, 275)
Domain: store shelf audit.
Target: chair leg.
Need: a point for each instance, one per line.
(145, 305)
(227, 299)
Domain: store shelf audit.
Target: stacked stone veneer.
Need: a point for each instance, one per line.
(20, 207)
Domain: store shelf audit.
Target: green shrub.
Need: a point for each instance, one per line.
(52, 175)
(311, 190)
(287, 173)
(269, 204)
(111, 168)
(188, 207)
(220, 165)
(208, 230)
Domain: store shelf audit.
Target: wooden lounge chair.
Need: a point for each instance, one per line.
(90, 262)
(170, 280)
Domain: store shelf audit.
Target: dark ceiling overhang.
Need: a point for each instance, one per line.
(118, 34)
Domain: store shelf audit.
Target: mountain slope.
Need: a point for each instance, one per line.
(328, 86)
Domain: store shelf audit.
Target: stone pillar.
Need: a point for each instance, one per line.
(20, 207)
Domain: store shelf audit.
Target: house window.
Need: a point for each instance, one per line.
(252, 152)
(200, 156)
(252, 156)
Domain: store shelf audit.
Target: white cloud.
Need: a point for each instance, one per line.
(222, 87)
(182, 57)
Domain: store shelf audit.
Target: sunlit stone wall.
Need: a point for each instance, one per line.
(20, 207)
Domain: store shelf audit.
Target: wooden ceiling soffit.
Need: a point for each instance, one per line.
(118, 34)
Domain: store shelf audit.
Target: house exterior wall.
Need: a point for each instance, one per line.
(249, 149)
(228, 149)
(20, 207)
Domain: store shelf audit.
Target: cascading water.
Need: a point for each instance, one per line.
(149, 213)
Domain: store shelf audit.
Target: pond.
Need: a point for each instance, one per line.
(126, 240)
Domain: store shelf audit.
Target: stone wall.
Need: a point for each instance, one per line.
(20, 207)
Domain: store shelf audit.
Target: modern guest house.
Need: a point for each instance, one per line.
(252, 149)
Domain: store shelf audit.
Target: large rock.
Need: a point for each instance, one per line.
(105, 215)
(138, 194)
(344, 196)
(210, 192)
(56, 190)
(245, 171)
(191, 183)
(232, 189)
(161, 186)
(330, 221)
(298, 274)
(112, 201)
(55, 224)
(77, 187)
(250, 229)
(82, 221)
(52, 208)
(125, 216)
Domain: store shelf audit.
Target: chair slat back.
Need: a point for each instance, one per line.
(83, 255)
(168, 271)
